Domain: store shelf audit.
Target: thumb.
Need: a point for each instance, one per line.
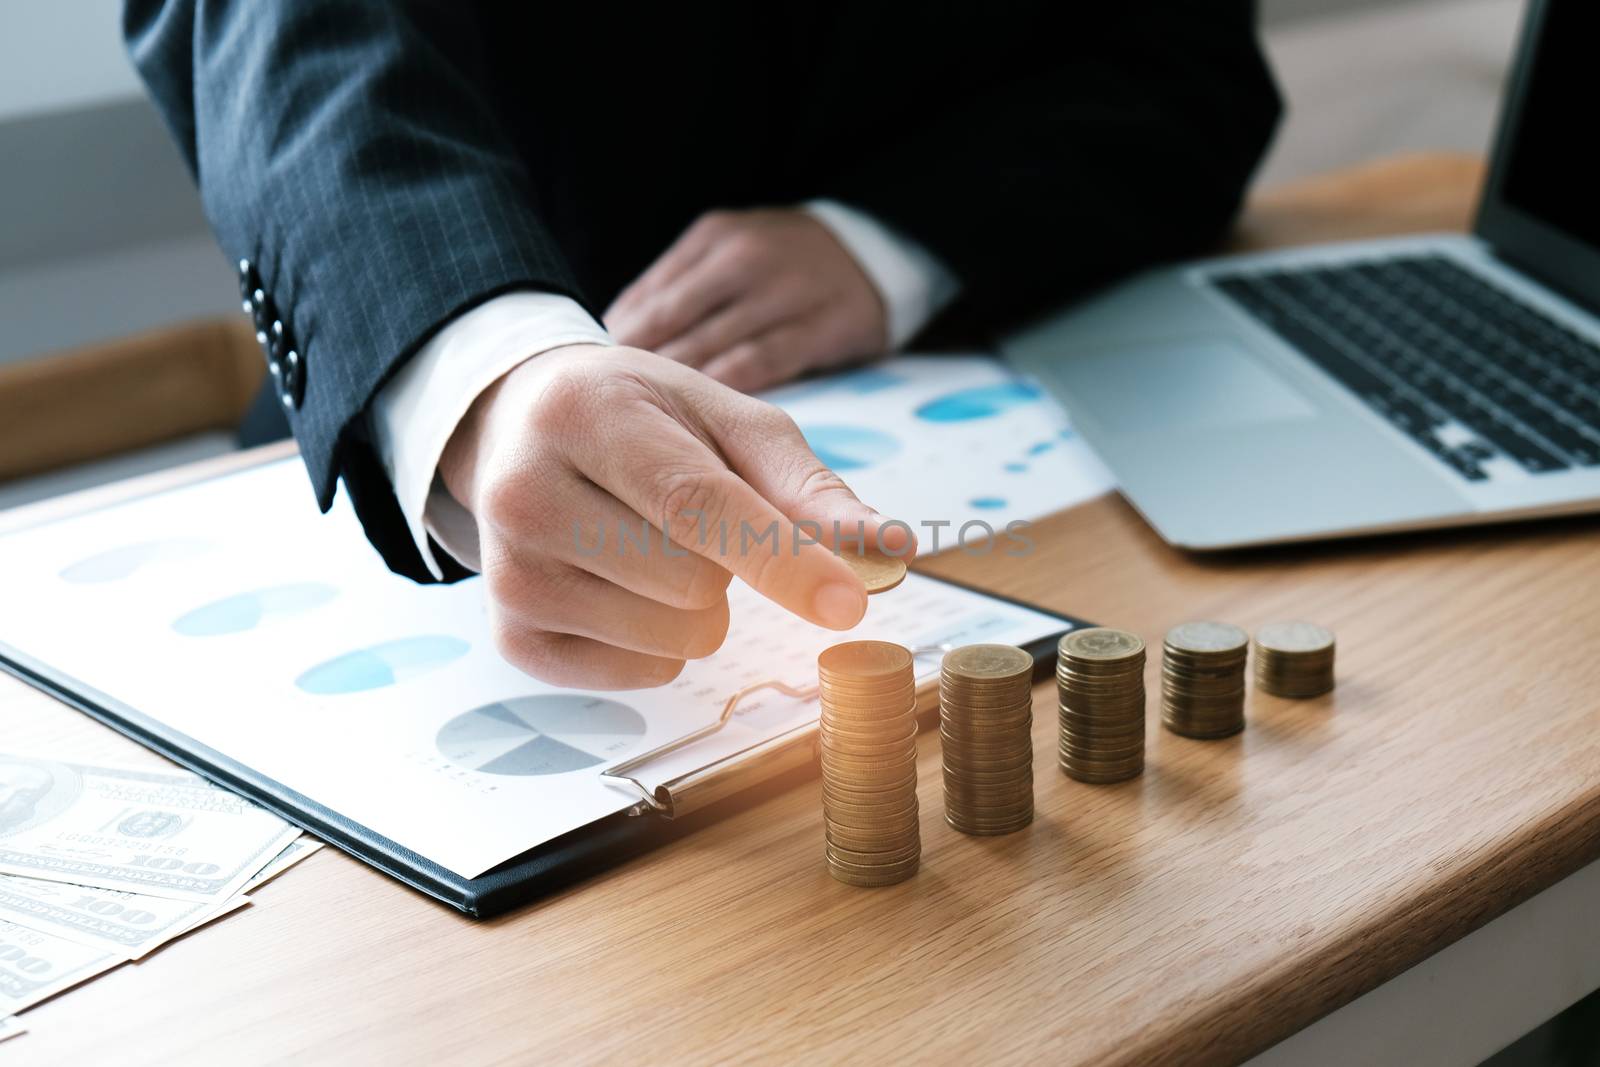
(763, 446)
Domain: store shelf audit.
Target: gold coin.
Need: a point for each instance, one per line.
(1101, 644)
(988, 661)
(1294, 637)
(860, 661)
(879, 573)
(1207, 637)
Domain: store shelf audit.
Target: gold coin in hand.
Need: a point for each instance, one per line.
(880, 573)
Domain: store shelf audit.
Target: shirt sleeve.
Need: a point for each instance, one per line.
(413, 416)
(914, 284)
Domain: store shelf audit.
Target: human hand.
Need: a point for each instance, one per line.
(753, 298)
(586, 439)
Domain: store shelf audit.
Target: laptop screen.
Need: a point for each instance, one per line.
(1553, 174)
(1541, 206)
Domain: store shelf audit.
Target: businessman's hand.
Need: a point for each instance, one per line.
(753, 298)
(584, 442)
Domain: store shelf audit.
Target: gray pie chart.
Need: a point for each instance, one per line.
(547, 734)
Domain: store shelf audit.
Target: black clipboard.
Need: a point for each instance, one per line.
(541, 870)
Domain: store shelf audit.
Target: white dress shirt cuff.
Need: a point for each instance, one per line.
(913, 283)
(414, 415)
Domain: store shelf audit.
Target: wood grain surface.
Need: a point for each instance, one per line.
(72, 407)
(1234, 893)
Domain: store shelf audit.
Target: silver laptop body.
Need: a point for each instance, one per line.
(1368, 386)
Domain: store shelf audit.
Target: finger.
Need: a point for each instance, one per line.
(667, 473)
(547, 595)
(614, 544)
(767, 448)
(772, 357)
(755, 313)
(700, 238)
(667, 313)
(580, 662)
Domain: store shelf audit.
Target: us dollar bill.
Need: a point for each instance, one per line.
(133, 924)
(297, 850)
(35, 966)
(11, 1027)
(130, 924)
(158, 833)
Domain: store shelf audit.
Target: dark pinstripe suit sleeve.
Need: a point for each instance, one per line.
(348, 148)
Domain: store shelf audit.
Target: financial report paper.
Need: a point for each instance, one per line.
(231, 611)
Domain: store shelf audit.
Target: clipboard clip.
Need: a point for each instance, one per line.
(626, 771)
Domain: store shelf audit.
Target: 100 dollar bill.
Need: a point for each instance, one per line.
(160, 833)
(132, 924)
(35, 966)
(129, 924)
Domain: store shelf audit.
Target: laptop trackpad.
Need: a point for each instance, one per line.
(1166, 385)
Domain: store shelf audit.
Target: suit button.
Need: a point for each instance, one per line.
(250, 294)
(263, 313)
(277, 341)
(291, 380)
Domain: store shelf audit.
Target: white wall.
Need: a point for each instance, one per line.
(60, 54)
(101, 232)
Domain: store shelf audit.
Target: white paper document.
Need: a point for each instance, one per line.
(942, 441)
(234, 613)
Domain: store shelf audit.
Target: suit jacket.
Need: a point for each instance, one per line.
(380, 166)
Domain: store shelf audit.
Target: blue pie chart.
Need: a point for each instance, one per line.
(981, 402)
(246, 611)
(849, 448)
(382, 665)
(126, 560)
(552, 733)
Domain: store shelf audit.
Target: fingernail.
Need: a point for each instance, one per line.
(839, 606)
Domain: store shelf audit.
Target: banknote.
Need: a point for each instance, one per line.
(130, 924)
(35, 966)
(133, 924)
(11, 1027)
(158, 833)
(296, 851)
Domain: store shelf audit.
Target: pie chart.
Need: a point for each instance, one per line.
(246, 611)
(849, 448)
(382, 665)
(982, 402)
(122, 562)
(552, 733)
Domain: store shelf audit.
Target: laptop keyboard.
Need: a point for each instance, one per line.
(1468, 371)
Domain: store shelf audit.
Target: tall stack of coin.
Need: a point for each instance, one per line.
(1202, 679)
(1294, 659)
(869, 762)
(986, 730)
(1100, 674)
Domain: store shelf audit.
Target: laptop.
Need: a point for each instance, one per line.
(1368, 386)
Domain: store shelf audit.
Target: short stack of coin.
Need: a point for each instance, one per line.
(869, 762)
(986, 731)
(1202, 679)
(1100, 674)
(1294, 659)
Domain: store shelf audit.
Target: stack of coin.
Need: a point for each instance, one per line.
(1202, 679)
(869, 762)
(1101, 677)
(1294, 659)
(986, 730)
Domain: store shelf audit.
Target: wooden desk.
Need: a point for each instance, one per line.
(1233, 894)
